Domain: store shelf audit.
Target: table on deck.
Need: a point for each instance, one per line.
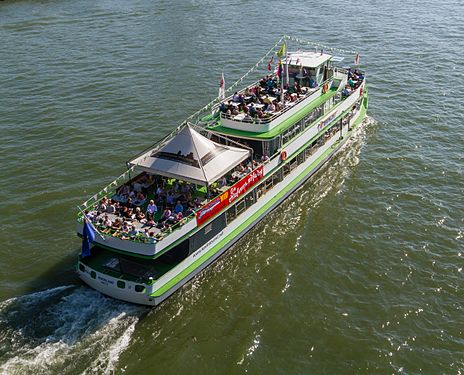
(240, 116)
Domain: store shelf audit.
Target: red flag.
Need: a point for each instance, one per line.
(269, 64)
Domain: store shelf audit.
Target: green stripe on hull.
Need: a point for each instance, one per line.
(211, 252)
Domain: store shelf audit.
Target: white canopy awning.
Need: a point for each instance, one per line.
(307, 59)
(189, 156)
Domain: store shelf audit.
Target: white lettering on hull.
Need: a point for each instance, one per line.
(201, 249)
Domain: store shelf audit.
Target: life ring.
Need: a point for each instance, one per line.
(283, 155)
(361, 91)
(325, 88)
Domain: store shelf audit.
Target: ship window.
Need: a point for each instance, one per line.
(293, 164)
(140, 289)
(276, 178)
(249, 200)
(81, 267)
(121, 284)
(93, 274)
(240, 207)
(261, 190)
(230, 215)
(269, 183)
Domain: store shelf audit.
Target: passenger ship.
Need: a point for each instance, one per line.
(186, 200)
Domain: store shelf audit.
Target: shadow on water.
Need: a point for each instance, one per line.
(60, 273)
(64, 328)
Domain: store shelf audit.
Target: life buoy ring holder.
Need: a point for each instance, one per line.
(283, 155)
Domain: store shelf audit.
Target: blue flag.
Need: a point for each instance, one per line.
(88, 236)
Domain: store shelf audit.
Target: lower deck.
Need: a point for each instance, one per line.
(129, 268)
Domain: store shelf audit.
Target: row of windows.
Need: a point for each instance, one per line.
(293, 163)
(120, 284)
(306, 121)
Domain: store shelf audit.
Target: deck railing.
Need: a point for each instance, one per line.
(110, 189)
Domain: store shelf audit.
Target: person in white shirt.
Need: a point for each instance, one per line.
(152, 209)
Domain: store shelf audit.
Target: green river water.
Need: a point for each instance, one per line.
(359, 272)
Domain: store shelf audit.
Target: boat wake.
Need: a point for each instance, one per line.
(63, 330)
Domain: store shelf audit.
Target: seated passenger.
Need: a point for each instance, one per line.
(170, 198)
(151, 237)
(267, 100)
(178, 217)
(125, 227)
(117, 223)
(236, 98)
(111, 209)
(252, 110)
(129, 203)
(345, 92)
(140, 198)
(90, 216)
(351, 83)
(178, 208)
(166, 215)
(160, 191)
(129, 214)
(106, 221)
(139, 215)
(133, 230)
(124, 190)
(101, 206)
(271, 107)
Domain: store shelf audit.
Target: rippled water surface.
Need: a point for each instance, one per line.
(360, 272)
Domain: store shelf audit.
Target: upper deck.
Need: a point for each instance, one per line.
(264, 105)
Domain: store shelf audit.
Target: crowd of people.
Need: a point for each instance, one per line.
(123, 216)
(127, 213)
(355, 79)
(263, 100)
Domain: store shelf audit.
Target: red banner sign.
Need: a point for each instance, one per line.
(236, 191)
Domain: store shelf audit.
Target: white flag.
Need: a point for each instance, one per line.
(222, 88)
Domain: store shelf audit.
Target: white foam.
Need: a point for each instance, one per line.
(71, 329)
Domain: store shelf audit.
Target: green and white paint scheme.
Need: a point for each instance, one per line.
(296, 142)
